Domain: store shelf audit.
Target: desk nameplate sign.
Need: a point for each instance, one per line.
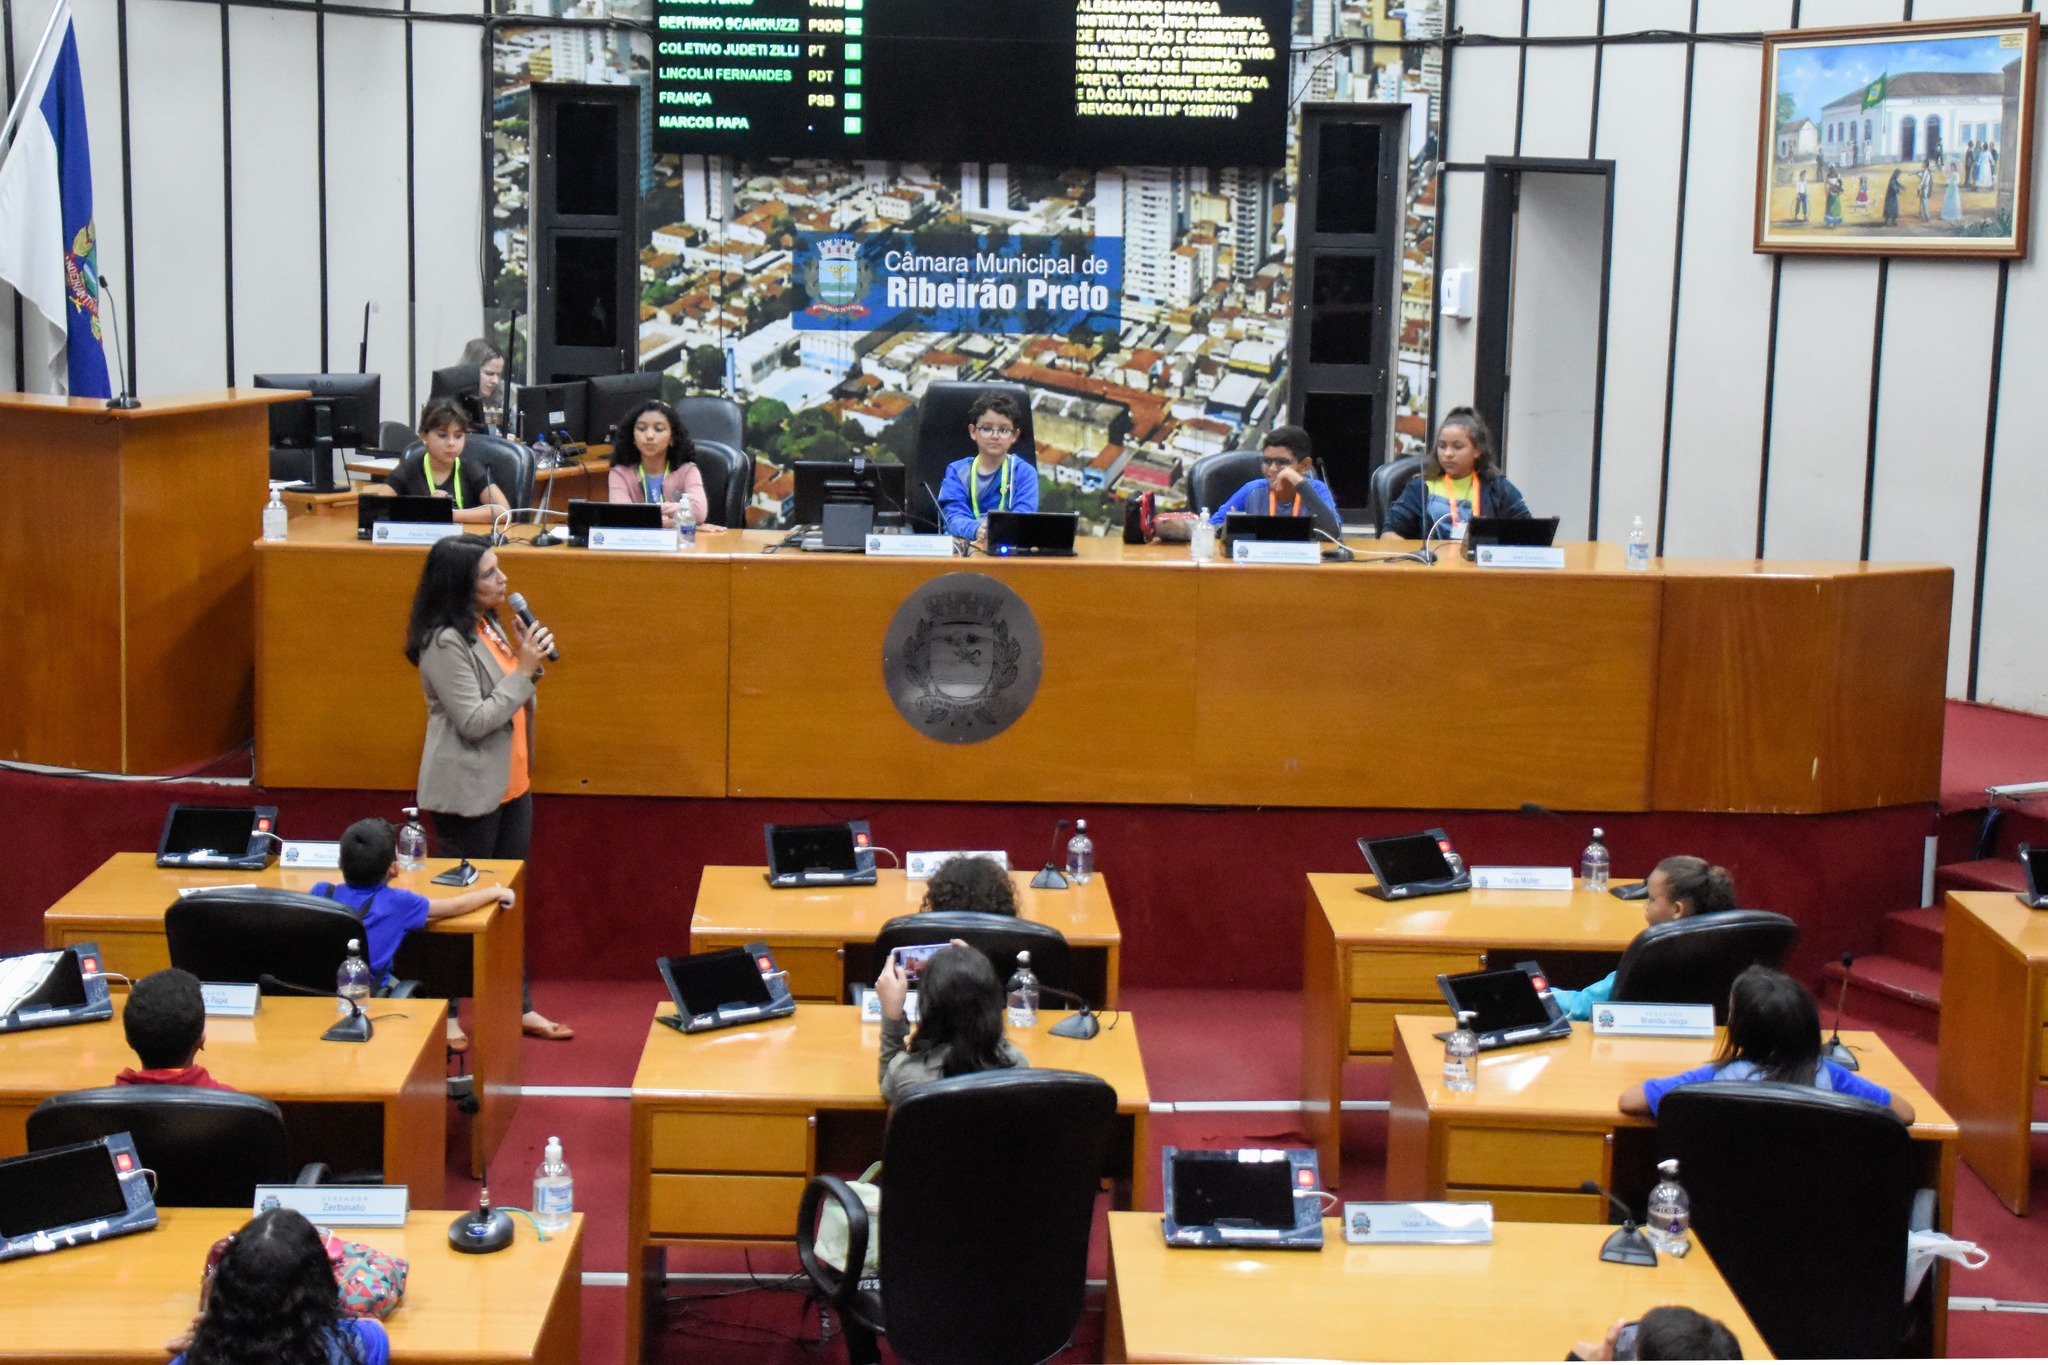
(412, 532)
(230, 999)
(185, 891)
(317, 853)
(1276, 552)
(644, 539)
(918, 867)
(1422, 1223)
(1622, 1019)
(1522, 878)
(910, 546)
(1519, 556)
(339, 1206)
(871, 1005)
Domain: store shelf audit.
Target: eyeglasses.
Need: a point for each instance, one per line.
(993, 432)
(1275, 461)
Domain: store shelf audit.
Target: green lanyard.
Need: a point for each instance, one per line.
(974, 488)
(454, 484)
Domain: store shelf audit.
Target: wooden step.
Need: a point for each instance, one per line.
(1889, 992)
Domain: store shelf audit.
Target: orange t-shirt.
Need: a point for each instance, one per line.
(520, 780)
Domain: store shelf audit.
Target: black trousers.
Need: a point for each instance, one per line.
(504, 833)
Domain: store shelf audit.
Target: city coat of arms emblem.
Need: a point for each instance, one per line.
(962, 658)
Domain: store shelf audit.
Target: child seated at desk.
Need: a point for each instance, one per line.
(1668, 1333)
(273, 1298)
(165, 1020)
(959, 1022)
(977, 884)
(369, 860)
(1773, 1035)
(1679, 886)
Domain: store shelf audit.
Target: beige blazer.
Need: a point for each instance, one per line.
(467, 762)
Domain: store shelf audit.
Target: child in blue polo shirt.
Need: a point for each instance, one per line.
(369, 860)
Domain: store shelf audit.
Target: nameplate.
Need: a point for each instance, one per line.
(1519, 556)
(1522, 878)
(412, 532)
(918, 867)
(1621, 1019)
(185, 891)
(641, 539)
(230, 999)
(339, 1206)
(910, 546)
(871, 1006)
(1276, 552)
(1443, 1224)
(319, 853)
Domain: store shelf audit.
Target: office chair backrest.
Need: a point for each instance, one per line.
(990, 1194)
(507, 463)
(728, 475)
(1803, 1198)
(1213, 478)
(1694, 961)
(209, 1148)
(999, 937)
(245, 933)
(1389, 481)
(942, 438)
(711, 417)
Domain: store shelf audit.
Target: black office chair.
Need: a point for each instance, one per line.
(999, 937)
(988, 1189)
(1389, 481)
(1803, 1198)
(728, 473)
(942, 438)
(712, 417)
(1695, 960)
(1213, 478)
(247, 933)
(506, 463)
(209, 1148)
(394, 437)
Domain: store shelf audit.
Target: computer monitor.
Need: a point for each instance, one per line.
(611, 397)
(455, 380)
(878, 484)
(342, 413)
(538, 404)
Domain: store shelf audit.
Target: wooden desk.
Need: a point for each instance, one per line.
(1994, 1007)
(121, 1300)
(728, 1126)
(481, 954)
(1537, 1291)
(813, 930)
(1364, 960)
(280, 1056)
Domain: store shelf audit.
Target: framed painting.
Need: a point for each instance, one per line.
(1898, 139)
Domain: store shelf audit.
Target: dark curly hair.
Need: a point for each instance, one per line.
(273, 1300)
(165, 1018)
(971, 884)
(681, 449)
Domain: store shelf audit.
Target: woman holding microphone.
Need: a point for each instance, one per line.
(479, 684)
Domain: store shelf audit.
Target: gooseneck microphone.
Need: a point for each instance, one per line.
(1083, 1025)
(354, 1029)
(1627, 1246)
(517, 601)
(1836, 1050)
(1049, 877)
(124, 400)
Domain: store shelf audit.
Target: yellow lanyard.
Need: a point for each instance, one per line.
(454, 483)
(1471, 492)
(974, 489)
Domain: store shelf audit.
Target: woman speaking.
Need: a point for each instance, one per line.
(479, 684)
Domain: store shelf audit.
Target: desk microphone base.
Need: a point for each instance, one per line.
(1050, 878)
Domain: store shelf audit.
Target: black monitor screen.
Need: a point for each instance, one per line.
(2037, 871)
(58, 1188)
(344, 408)
(456, 379)
(1505, 999)
(704, 981)
(1410, 859)
(814, 848)
(611, 397)
(553, 409)
(41, 981)
(1212, 1190)
(209, 829)
(878, 484)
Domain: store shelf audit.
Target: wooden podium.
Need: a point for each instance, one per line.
(127, 547)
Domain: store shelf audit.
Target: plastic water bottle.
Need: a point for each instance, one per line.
(1202, 540)
(1670, 1213)
(1461, 1055)
(544, 456)
(352, 980)
(1638, 546)
(1080, 854)
(686, 527)
(1593, 863)
(554, 1189)
(275, 517)
(412, 841)
(1024, 994)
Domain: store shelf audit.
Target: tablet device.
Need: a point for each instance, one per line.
(1411, 865)
(819, 855)
(1032, 533)
(371, 509)
(1243, 1196)
(216, 836)
(584, 514)
(1538, 531)
(72, 1196)
(1245, 526)
(2034, 863)
(42, 990)
(724, 988)
(1513, 1005)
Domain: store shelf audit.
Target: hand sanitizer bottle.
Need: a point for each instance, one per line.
(554, 1190)
(275, 517)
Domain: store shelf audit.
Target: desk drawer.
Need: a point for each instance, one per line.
(1536, 1206)
(1372, 1022)
(134, 953)
(1380, 975)
(730, 1142)
(815, 972)
(1535, 1158)
(723, 1205)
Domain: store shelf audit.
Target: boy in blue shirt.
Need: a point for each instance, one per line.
(1288, 486)
(369, 860)
(993, 479)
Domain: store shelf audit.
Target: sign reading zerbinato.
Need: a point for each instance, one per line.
(959, 282)
(962, 658)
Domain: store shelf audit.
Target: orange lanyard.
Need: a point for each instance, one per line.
(1273, 503)
(1451, 497)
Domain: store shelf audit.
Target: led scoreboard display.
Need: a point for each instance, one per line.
(1041, 81)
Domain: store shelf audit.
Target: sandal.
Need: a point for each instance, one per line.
(458, 1041)
(548, 1029)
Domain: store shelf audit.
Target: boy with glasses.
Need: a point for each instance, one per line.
(993, 479)
(1288, 488)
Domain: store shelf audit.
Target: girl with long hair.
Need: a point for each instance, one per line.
(1460, 480)
(959, 1022)
(273, 1301)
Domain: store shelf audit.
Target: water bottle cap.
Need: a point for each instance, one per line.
(1080, 826)
(1023, 959)
(1670, 1168)
(355, 945)
(1467, 1016)
(1599, 833)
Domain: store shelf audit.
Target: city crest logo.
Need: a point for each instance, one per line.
(837, 279)
(962, 658)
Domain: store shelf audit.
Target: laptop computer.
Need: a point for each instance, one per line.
(1243, 1196)
(74, 1195)
(1049, 534)
(1539, 531)
(2034, 863)
(819, 855)
(62, 986)
(1513, 1005)
(725, 988)
(1411, 865)
(1246, 526)
(371, 509)
(584, 514)
(217, 836)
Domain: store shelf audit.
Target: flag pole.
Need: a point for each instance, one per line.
(28, 84)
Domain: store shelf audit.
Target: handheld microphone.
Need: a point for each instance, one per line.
(1050, 878)
(1836, 1051)
(517, 601)
(354, 1029)
(123, 401)
(1083, 1025)
(1627, 1246)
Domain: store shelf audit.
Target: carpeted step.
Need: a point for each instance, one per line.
(1985, 874)
(1913, 936)
(1890, 992)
